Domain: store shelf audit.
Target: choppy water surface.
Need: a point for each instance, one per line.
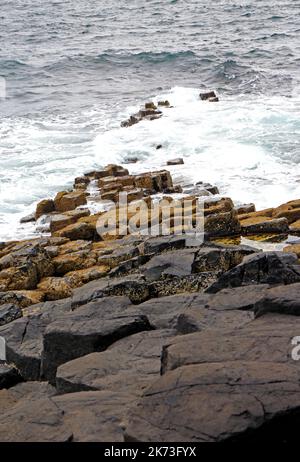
(74, 70)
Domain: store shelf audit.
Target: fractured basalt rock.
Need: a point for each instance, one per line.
(89, 328)
(262, 268)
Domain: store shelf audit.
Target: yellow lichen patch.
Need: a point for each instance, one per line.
(235, 240)
(80, 277)
(261, 213)
(268, 237)
(55, 288)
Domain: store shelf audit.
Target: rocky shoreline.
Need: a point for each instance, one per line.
(119, 336)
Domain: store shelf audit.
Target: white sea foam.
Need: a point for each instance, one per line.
(248, 147)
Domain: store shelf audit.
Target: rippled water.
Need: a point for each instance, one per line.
(74, 70)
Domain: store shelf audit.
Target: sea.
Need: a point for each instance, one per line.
(71, 71)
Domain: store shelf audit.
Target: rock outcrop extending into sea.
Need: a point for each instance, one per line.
(114, 335)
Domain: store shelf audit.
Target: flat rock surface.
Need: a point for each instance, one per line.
(265, 339)
(89, 328)
(86, 416)
(129, 365)
(213, 402)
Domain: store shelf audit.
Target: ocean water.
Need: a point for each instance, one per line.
(75, 70)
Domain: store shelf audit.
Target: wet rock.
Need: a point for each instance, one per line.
(207, 187)
(81, 181)
(263, 268)
(44, 207)
(150, 105)
(178, 161)
(9, 313)
(9, 376)
(164, 103)
(65, 201)
(88, 329)
(28, 219)
(207, 95)
(131, 160)
(264, 225)
(129, 365)
(157, 181)
(246, 208)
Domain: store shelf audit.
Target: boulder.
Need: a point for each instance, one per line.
(90, 328)
(207, 95)
(264, 225)
(77, 231)
(28, 218)
(44, 207)
(165, 103)
(246, 208)
(222, 224)
(150, 105)
(178, 161)
(262, 268)
(65, 200)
